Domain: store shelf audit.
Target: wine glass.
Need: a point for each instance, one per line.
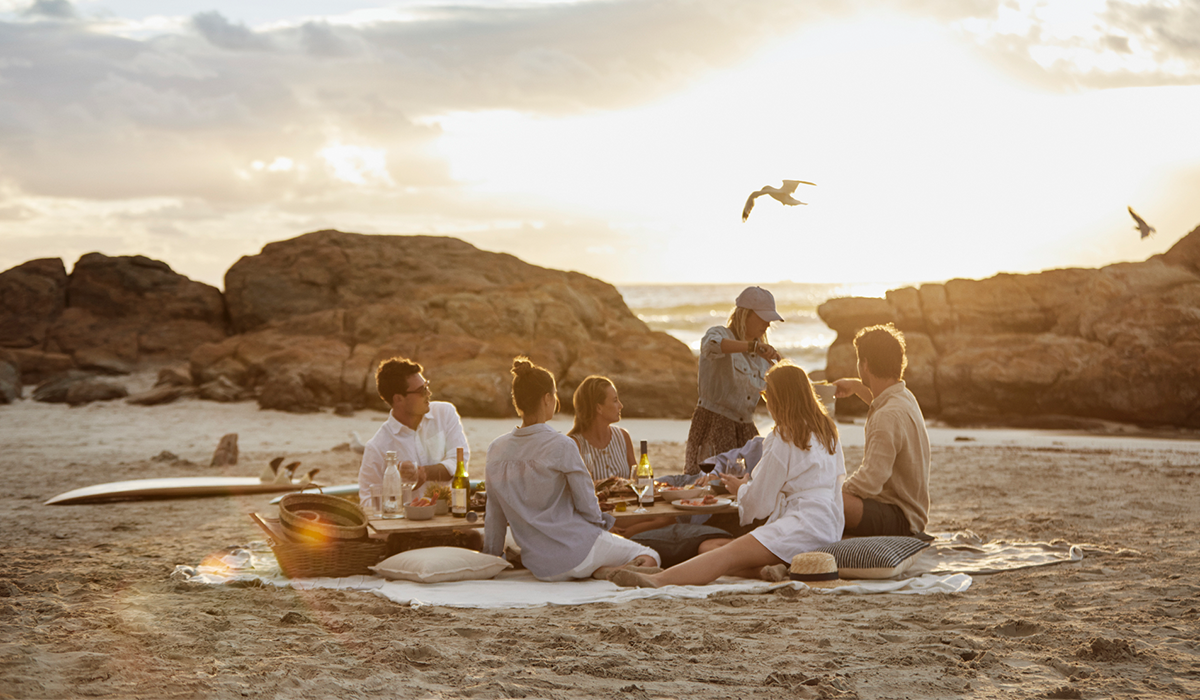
(408, 480)
(641, 491)
(707, 468)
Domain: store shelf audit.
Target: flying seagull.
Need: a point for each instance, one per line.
(783, 195)
(1144, 228)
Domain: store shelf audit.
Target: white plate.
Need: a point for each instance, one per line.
(670, 495)
(721, 503)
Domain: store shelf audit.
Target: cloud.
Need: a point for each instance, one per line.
(51, 9)
(94, 115)
(1092, 44)
(227, 35)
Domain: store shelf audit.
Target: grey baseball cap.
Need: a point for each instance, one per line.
(760, 302)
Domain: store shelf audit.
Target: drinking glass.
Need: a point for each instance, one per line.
(408, 480)
(374, 504)
(641, 490)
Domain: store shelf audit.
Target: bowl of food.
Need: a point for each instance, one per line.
(677, 493)
(420, 509)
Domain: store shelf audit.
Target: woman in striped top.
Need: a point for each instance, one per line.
(607, 449)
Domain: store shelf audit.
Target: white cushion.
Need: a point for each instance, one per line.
(875, 557)
(438, 564)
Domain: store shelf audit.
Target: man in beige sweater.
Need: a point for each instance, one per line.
(889, 493)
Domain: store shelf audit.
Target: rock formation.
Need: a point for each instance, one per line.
(109, 316)
(316, 314)
(1121, 343)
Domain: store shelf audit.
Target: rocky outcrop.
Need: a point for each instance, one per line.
(1120, 343)
(110, 315)
(32, 296)
(135, 310)
(316, 314)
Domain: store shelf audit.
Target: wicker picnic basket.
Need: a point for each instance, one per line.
(318, 535)
(333, 559)
(315, 517)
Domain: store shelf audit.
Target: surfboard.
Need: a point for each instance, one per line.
(348, 489)
(177, 487)
(340, 490)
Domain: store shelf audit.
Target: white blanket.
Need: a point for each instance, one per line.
(255, 565)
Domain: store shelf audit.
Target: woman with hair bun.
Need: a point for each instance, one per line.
(537, 485)
(796, 487)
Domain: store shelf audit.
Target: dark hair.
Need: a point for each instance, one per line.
(392, 377)
(587, 399)
(883, 349)
(530, 384)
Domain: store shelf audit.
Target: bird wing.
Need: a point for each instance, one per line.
(789, 186)
(749, 205)
(1144, 228)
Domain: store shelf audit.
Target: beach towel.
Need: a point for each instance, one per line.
(945, 567)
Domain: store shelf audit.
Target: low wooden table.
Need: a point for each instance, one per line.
(661, 508)
(438, 523)
(447, 523)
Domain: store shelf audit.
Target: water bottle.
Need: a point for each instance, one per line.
(393, 489)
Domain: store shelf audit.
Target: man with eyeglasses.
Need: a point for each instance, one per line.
(426, 433)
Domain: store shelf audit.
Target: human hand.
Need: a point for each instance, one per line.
(733, 483)
(847, 387)
(769, 353)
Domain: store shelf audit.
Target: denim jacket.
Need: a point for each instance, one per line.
(729, 383)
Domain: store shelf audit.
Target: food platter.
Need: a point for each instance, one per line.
(691, 506)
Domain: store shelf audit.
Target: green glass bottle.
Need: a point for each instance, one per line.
(459, 487)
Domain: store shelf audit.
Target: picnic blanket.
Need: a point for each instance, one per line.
(945, 567)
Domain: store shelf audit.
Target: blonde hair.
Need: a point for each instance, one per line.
(799, 415)
(587, 399)
(737, 324)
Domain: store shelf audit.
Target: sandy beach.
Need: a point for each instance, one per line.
(88, 607)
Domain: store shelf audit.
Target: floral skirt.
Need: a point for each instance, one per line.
(710, 435)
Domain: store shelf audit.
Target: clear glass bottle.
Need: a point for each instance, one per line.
(393, 489)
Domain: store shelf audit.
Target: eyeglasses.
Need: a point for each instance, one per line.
(423, 389)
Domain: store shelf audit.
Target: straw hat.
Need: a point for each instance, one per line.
(816, 569)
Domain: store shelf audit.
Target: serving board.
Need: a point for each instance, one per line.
(174, 487)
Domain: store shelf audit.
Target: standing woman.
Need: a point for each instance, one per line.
(607, 449)
(796, 487)
(734, 360)
(538, 486)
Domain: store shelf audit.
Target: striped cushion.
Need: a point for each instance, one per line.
(875, 557)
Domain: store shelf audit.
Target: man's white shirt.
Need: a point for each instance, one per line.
(436, 440)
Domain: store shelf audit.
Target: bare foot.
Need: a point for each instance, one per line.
(631, 579)
(774, 573)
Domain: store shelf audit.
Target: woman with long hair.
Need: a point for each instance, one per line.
(796, 487)
(606, 448)
(734, 360)
(538, 486)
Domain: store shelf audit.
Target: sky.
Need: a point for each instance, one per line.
(617, 138)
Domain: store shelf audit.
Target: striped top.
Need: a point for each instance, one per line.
(613, 460)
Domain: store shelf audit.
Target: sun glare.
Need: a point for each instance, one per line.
(357, 165)
(925, 157)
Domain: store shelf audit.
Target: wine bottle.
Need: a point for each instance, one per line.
(645, 475)
(393, 490)
(459, 486)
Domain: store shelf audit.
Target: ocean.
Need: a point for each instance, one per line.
(687, 310)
